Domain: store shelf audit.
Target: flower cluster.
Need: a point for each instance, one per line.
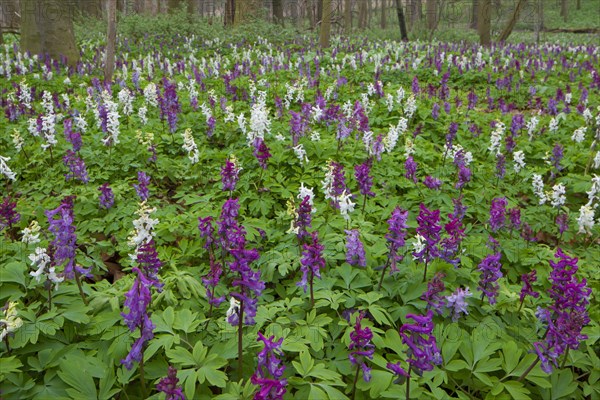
(422, 352)
(568, 314)
(490, 273)
(65, 238)
(230, 174)
(261, 152)
(5, 170)
(142, 187)
(498, 213)
(41, 260)
(527, 289)
(449, 246)
(457, 304)
(432, 296)
(303, 218)
(107, 198)
(312, 261)
(396, 235)
(429, 229)
(169, 387)
(189, 145)
(269, 371)
(361, 347)
(8, 215)
(365, 181)
(11, 321)
(76, 165)
(355, 251)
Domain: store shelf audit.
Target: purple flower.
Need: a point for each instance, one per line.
(456, 302)
(490, 273)
(211, 280)
(500, 166)
(8, 215)
(261, 152)
(153, 156)
(147, 259)
(432, 296)
(360, 118)
(207, 231)
(562, 220)
(514, 216)
(377, 147)
(72, 137)
(142, 187)
(498, 213)
(304, 218)
(137, 300)
(169, 387)
(231, 234)
(527, 289)
(229, 175)
(396, 236)
(435, 111)
(450, 245)
(411, 169)
(65, 239)
(77, 169)
(361, 347)
(355, 252)
(459, 208)
(527, 233)
(432, 183)
(567, 316)
(401, 373)
(269, 370)
(556, 158)
(248, 282)
(422, 352)
(428, 227)
(464, 174)
(365, 182)
(312, 261)
(472, 100)
(169, 104)
(107, 198)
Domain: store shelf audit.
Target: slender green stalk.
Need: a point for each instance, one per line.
(143, 378)
(312, 296)
(528, 370)
(354, 384)
(240, 339)
(387, 264)
(565, 359)
(78, 280)
(408, 385)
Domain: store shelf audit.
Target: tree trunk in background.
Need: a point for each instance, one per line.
(513, 20)
(363, 7)
(229, 15)
(474, 13)
(484, 22)
(325, 24)
(539, 19)
(1, 33)
(278, 12)
(310, 14)
(431, 14)
(564, 9)
(347, 16)
(247, 11)
(578, 6)
(91, 8)
(383, 14)
(319, 11)
(111, 39)
(47, 27)
(401, 20)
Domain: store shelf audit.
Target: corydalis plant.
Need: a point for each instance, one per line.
(490, 273)
(142, 187)
(230, 174)
(107, 198)
(311, 263)
(429, 229)
(8, 214)
(269, 371)
(168, 386)
(365, 181)
(395, 237)
(355, 251)
(361, 349)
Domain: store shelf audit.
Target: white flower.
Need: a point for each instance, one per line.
(558, 195)
(593, 193)
(496, 138)
(41, 261)
(411, 106)
(234, 307)
(17, 140)
(538, 188)
(568, 97)
(150, 94)
(418, 245)
(260, 124)
(532, 126)
(346, 204)
(586, 219)
(11, 322)
(587, 116)
(242, 122)
(553, 126)
(126, 100)
(142, 114)
(144, 228)
(80, 123)
(389, 101)
(519, 160)
(190, 146)
(597, 160)
(579, 134)
(303, 192)
(301, 154)
(5, 170)
(315, 136)
(31, 234)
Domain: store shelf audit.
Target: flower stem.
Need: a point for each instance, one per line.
(408, 384)
(528, 370)
(50, 298)
(78, 280)
(387, 264)
(565, 359)
(521, 305)
(142, 377)
(240, 339)
(364, 204)
(354, 384)
(312, 296)
(425, 272)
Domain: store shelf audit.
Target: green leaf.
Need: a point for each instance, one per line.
(74, 374)
(457, 365)
(199, 353)
(10, 364)
(511, 354)
(214, 376)
(317, 394)
(516, 390)
(77, 313)
(179, 355)
(563, 384)
(14, 271)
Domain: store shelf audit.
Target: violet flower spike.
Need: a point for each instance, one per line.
(107, 198)
(498, 213)
(168, 386)
(355, 251)
(457, 304)
(432, 296)
(269, 370)
(142, 187)
(361, 347)
(8, 215)
(422, 352)
(490, 273)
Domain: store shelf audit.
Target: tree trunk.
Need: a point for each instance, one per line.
(363, 7)
(246, 11)
(383, 14)
(401, 20)
(1, 33)
(564, 9)
(431, 14)
(278, 12)
(111, 39)
(228, 17)
(47, 28)
(319, 11)
(325, 24)
(578, 6)
(539, 19)
(484, 22)
(513, 20)
(474, 13)
(347, 16)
